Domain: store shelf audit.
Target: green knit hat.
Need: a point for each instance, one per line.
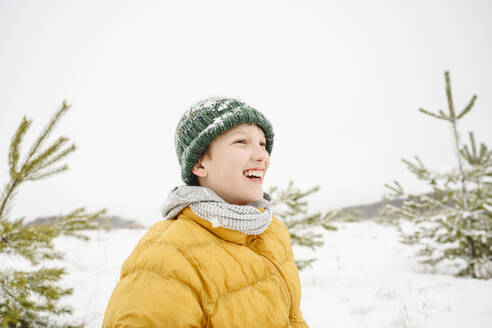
(207, 119)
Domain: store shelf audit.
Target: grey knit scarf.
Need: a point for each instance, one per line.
(209, 206)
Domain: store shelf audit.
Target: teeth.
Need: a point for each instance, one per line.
(258, 174)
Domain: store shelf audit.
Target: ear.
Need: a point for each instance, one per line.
(199, 170)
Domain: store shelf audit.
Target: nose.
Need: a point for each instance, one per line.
(260, 154)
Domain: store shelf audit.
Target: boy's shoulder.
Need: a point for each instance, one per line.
(165, 245)
(279, 227)
(176, 232)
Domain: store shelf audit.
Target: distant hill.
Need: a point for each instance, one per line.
(115, 222)
(367, 211)
(372, 210)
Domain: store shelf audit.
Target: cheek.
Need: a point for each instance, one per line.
(232, 165)
(267, 162)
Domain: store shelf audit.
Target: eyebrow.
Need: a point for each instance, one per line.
(236, 133)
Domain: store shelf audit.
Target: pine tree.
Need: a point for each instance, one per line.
(452, 224)
(290, 206)
(29, 298)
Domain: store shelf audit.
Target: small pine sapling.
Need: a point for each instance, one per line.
(29, 298)
(290, 206)
(452, 224)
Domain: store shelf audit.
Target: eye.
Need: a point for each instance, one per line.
(240, 141)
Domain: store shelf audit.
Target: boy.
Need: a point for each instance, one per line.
(219, 258)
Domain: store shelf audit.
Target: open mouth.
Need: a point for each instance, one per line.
(254, 175)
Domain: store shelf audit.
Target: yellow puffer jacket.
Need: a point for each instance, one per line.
(184, 273)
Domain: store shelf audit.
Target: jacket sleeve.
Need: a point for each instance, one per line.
(147, 299)
(298, 321)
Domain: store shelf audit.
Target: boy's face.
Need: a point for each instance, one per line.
(230, 156)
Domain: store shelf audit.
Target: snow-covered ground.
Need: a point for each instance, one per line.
(363, 278)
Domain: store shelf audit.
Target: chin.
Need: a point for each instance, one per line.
(256, 196)
(249, 195)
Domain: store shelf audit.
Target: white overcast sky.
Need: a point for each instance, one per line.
(341, 82)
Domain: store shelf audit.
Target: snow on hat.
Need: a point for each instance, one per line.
(207, 119)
